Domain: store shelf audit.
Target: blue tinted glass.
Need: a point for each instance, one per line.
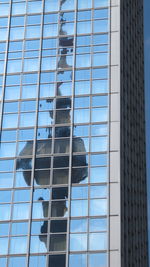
(13, 79)
(99, 129)
(99, 260)
(21, 195)
(18, 245)
(83, 60)
(50, 30)
(4, 10)
(3, 34)
(78, 242)
(79, 208)
(97, 225)
(31, 64)
(99, 86)
(99, 114)
(18, 8)
(79, 192)
(21, 212)
(84, 27)
(15, 46)
(36, 19)
(26, 134)
(51, 5)
(44, 194)
(98, 191)
(12, 93)
(2, 47)
(84, 15)
(37, 245)
(3, 22)
(20, 179)
(37, 260)
(37, 227)
(79, 260)
(84, 4)
(3, 261)
(98, 241)
(49, 43)
(5, 212)
(98, 144)
(100, 159)
(100, 73)
(98, 207)
(81, 116)
(8, 135)
(17, 261)
(64, 76)
(5, 196)
(32, 45)
(4, 229)
(83, 40)
(6, 180)
(47, 77)
(10, 121)
(11, 107)
(100, 39)
(82, 74)
(100, 3)
(17, 21)
(81, 130)
(33, 31)
(3, 246)
(67, 4)
(78, 225)
(28, 105)
(30, 78)
(47, 90)
(100, 26)
(7, 149)
(100, 13)
(14, 66)
(34, 7)
(6, 165)
(27, 119)
(50, 18)
(20, 228)
(99, 175)
(100, 59)
(29, 91)
(82, 102)
(16, 33)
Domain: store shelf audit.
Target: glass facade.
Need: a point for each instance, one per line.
(54, 92)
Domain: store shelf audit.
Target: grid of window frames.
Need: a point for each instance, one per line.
(54, 133)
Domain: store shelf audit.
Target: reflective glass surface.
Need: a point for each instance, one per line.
(54, 106)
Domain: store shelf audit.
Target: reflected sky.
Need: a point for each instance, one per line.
(147, 86)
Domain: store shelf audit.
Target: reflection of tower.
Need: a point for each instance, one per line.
(44, 146)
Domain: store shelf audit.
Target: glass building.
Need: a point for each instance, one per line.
(67, 155)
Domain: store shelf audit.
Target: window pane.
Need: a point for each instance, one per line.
(79, 260)
(78, 242)
(98, 207)
(3, 246)
(98, 260)
(79, 208)
(38, 244)
(18, 245)
(96, 225)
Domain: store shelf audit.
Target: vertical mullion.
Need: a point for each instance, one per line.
(5, 65)
(109, 117)
(71, 137)
(35, 133)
